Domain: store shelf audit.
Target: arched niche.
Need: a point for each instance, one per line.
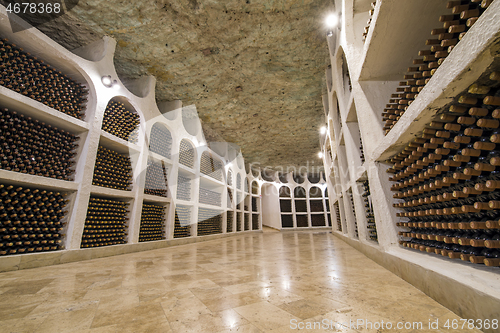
(210, 166)
(160, 140)
(326, 193)
(117, 110)
(246, 185)
(314, 178)
(283, 177)
(299, 179)
(299, 192)
(285, 192)
(186, 153)
(255, 187)
(268, 175)
(255, 172)
(315, 192)
(229, 177)
(238, 181)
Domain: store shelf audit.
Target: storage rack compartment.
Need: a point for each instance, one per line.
(112, 170)
(31, 219)
(160, 140)
(246, 218)
(454, 27)
(238, 181)
(286, 205)
(370, 218)
(315, 192)
(120, 121)
(255, 207)
(286, 220)
(301, 206)
(152, 223)
(238, 200)
(255, 187)
(210, 197)
(247, 202)
(209, 222)
(229, 221)
(448, 178)
(337, 214)
(182, 224)
(33, 147)
(106, 222)
(184, 187)
(299, 192)
(238, 221)
(156, 178)
(370, 16)
(229, 198)
(301, 221)
(329, 217)
(355, 220)
(284, 192)
(186, 154)
(255, 222)
(318, 220)
(211, 167)
(316, 206)
(28, 76)
(229, 178)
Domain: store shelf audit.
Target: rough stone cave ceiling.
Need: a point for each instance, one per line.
(253, 68)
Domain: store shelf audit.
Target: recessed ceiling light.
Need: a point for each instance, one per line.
(332, 20)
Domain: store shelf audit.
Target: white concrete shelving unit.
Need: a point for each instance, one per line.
(360, 81)
(87, 66)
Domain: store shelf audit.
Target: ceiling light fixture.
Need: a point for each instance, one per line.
(106, 81)
(332, 20)
(320, 155)
(322, 130)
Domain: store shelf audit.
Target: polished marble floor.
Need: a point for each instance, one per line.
(267, 282)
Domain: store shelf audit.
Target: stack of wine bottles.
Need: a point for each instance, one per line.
(211, 167)
(209, 222)
(30, 220)
(246, 202)
(152, 223)
(229, 198)
(160, 140)
(254, 205)
(255, 222)
(285, 206)
(255, 187)
(317, 220)
(105, 223)
(361, 151)
(183, 188)
(367, 28)
(27, 75)
(316, 206)
(33, 147)
(210, 197)
(464, 13)
(246, 220)
(238, 201)
(337, 214)
(238, 181)
(300, 206)
(349, 195)
(121, 122)
(229, 221)
(186, 154)
(156, 179)
(112, 170)
(449, 178)
(286, 221)
(370, 218)
(182, 225)
(302, 221)
(238, 221)
(229, 178)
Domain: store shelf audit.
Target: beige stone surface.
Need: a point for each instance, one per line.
(249, 283)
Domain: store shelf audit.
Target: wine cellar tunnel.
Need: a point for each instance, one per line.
(162, 157)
